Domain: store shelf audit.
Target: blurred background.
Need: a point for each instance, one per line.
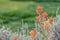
(12, 12)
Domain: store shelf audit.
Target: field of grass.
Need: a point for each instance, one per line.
(12, 12)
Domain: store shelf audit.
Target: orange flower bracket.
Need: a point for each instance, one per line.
(15, 38)
(46, 26)
(39, 10)
(38, 19)
(51, 20)
(32, 33)
(45, 16)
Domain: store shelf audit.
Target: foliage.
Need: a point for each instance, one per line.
(39, 0)
(26, 11)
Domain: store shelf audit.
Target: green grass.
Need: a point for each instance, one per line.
(13, 11)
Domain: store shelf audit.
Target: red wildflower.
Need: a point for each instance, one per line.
(32, 33)
(45, 14)
(15, 38)
(39, 9)
(51, 19)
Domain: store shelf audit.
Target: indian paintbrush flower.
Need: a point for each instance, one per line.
(32, 33)
(15, 38)
(45, 16)
(38, 18)
(39, 10)
(51, 20)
